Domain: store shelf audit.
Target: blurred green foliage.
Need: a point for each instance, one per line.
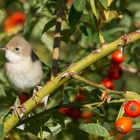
(82, 23)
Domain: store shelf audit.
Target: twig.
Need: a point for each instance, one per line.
(77, 77)
(130, 69)
(97, 104)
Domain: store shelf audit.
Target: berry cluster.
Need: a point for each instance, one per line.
(132, 110)
(75, 113)
(114, 71)
(14, 20)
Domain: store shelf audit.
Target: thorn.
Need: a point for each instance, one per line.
(119, 45)
(67, 74)
(96, 51)
(125, 39)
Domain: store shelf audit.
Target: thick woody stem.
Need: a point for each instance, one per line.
(58, 81)
(57, 35)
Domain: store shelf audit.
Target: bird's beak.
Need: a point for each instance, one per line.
(3, 49)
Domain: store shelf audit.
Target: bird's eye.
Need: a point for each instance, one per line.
(16, 49)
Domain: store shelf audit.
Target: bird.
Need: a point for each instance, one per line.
(23, 68)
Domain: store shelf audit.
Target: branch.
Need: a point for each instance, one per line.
(58, 81)
(56, 45)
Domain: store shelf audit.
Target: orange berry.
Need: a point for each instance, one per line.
(124, 125)
(86, 115)
(17, 18)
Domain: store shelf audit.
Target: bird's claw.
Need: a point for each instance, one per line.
(19, 110)
(36, 89)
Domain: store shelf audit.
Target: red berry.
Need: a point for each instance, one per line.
(74, 114)
(18, 17)
(114, 72)
(107, 83)
(80, 97)
(132, 108)
(124, 125)
(8, 25)
(23, 98)
(64, 110)
(118, 57)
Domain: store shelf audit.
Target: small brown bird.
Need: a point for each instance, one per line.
(23, 68)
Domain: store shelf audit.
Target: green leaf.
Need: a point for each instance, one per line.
(74, 16)
(66, 33)
(88, 20)
(1, 131)
(104, 3)
(95, 129)
(53, 131)
(111, 14)
(89, 88)
(132, 95)
(2, 91)
(48, 25)
(136, 126)
(121, 112)
(93, 8)
(42, 53)
(79, 5)
(72, 132)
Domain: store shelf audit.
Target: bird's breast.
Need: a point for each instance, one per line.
(24, 75)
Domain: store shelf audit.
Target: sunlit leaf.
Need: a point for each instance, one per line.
(95, 129)
(136, 126)
(42, 53)
(132, 95)
(93, 8)
(104, 3)
(121, 112)
(109, 2)
(79, 4)
(111, 14)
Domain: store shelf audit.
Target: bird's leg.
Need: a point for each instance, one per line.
(34, 96)
(19, 110)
